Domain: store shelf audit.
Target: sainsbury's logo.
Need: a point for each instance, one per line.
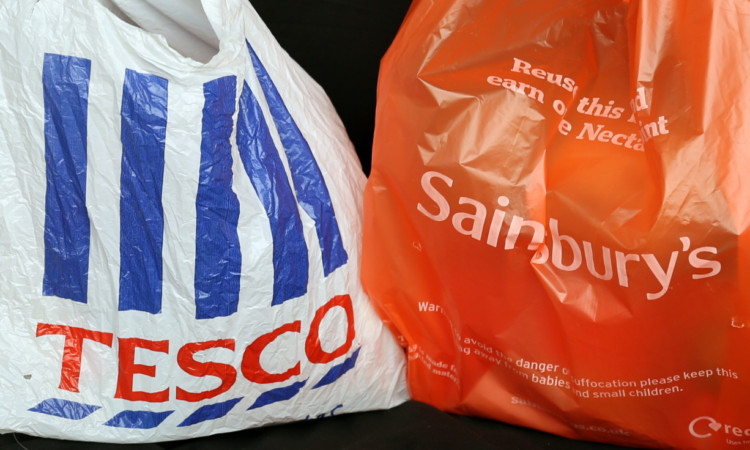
(487, 223)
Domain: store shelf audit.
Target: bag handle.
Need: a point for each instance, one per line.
(195, 28)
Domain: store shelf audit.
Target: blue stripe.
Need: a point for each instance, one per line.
(66, 222)
(144, 125)
(143, 420)
(277, 395)
(210, 412)
(266, 172)
(64, 408)
(338, 371)
(309, 184)
(217, 248)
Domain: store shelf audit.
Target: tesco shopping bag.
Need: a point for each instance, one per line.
(556, 222)
(179, 240)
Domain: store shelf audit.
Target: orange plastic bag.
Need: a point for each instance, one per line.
(557, 215)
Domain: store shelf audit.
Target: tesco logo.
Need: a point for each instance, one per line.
(232, 126)
(250, 368)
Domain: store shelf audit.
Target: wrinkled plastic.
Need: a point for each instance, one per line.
(179, 240)
(556, 221)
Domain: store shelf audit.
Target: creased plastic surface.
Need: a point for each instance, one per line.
(179, 240)
(556, 221)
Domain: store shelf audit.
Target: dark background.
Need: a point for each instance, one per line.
(410, 426)
(340, 44)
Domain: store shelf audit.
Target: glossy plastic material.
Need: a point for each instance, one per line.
(556, 223)
(179, 240)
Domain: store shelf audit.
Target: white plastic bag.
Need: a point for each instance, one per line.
(179, 241)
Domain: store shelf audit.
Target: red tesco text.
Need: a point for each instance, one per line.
(250, 367)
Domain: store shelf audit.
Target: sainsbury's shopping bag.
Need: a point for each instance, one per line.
(556, 221)
(179, 240)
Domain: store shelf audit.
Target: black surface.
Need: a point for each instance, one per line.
(340, 44)
(412, 425)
